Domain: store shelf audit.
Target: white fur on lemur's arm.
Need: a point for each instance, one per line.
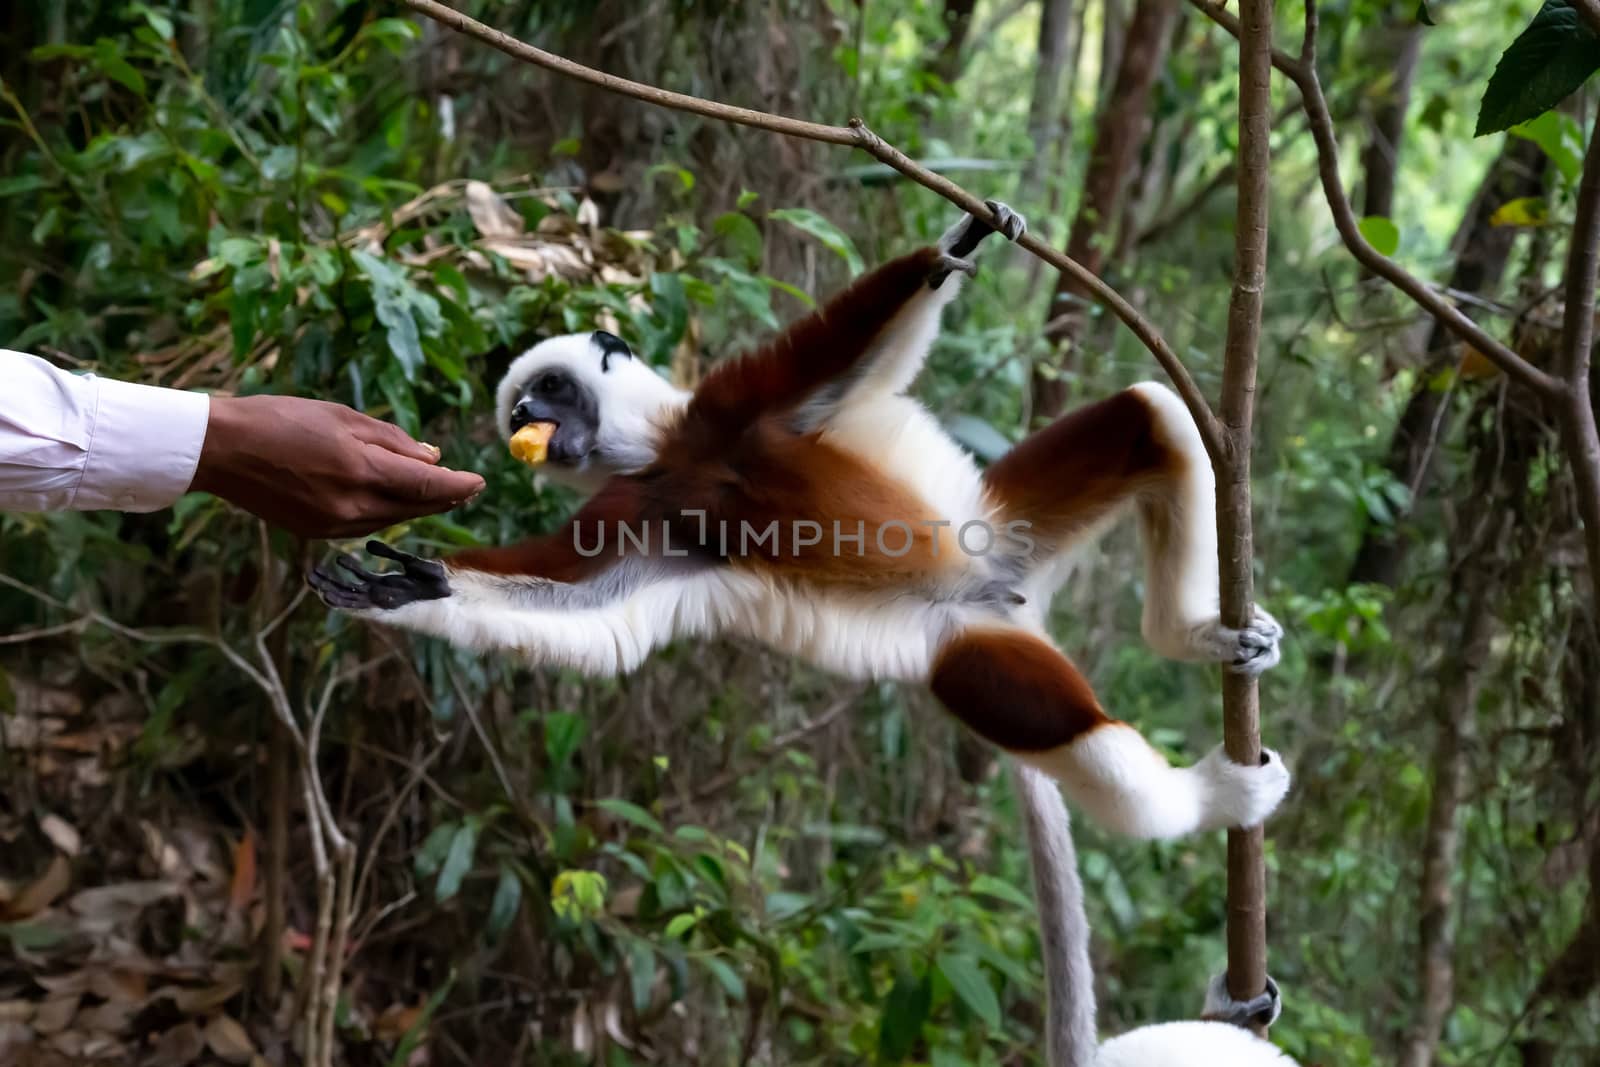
(602, 628)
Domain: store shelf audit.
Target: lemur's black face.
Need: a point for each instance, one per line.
(554, 395)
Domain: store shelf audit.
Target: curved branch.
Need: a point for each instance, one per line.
(1303, 73)
(854, 135)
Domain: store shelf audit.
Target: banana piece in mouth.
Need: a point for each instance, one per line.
(531, 444)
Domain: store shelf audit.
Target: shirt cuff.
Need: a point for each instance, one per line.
(145, 447)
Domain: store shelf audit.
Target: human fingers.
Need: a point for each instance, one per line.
(387, 435)
(420, 488)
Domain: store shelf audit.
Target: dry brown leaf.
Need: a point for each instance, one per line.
(192, 1001)
(490, 213)
(15, 1011)
(70, 1044)
(112, 1017)
(42, 892)
(54, 1015)
(227, 1039)
(63, 984)
(522, 256)
(1475, 364)
(103, 1047)
(396, 1021)
(119, 984)
(62, 834)
(179, 1046)
(243, 885)
(113, 905)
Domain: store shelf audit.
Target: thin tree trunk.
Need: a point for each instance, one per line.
(1241, 712)
(1123, 116)
(1454, 706)
(1056, 22)
(1518, 171)
(1380, 162)
(951, 57)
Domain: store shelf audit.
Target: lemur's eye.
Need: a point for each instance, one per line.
(549, 384)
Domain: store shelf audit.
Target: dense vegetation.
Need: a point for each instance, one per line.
(729, 858)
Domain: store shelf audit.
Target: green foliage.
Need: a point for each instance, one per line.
(1381, 233)
(1542, 67)
(268, 202)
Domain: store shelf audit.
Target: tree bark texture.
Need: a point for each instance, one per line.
(1241, 717)
(1119, 129)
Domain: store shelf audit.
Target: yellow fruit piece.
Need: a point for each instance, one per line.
(531, 443)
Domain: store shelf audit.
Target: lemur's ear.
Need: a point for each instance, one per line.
(610, 345)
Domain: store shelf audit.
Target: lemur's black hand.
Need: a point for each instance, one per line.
(962, 240)
(361, 590)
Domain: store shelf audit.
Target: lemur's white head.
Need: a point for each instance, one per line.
(608, 407)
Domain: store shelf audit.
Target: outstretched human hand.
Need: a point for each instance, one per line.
(322, 470)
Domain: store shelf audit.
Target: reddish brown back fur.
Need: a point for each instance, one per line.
(813, 351)
(734, 456)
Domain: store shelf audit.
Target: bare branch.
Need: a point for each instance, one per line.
(855, 135)
(1304, 75)
(1577, 342)
(1230, 22)
(1241, 709)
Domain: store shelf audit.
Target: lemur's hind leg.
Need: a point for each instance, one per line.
(1015, 690)
(1140, 448)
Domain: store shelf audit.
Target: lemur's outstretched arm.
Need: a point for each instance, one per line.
(880, 327)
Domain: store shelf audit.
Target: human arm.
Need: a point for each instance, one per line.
(84, 442)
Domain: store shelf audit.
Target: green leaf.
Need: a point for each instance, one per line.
(563, 731)
(458, 862)
(1544, 65)
(681, 924)
(158, 22)
(108, 57)
(979, 436)
(641, 972)
(970, 984)
(503, 908)
(726, 977)
(685, 179)
(904, 1012)
(430, 857)
(633, 813)
(740, 234)
(807, 221)
(413, 1036)
(1560, 138)
(22, 183)
(1381, 234)
(577, 894)
(989, 885)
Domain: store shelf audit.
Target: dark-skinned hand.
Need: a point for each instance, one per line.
(322, 470)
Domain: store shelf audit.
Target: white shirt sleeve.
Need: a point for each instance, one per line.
(82, 442)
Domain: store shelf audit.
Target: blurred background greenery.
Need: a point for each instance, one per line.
(727, 857)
